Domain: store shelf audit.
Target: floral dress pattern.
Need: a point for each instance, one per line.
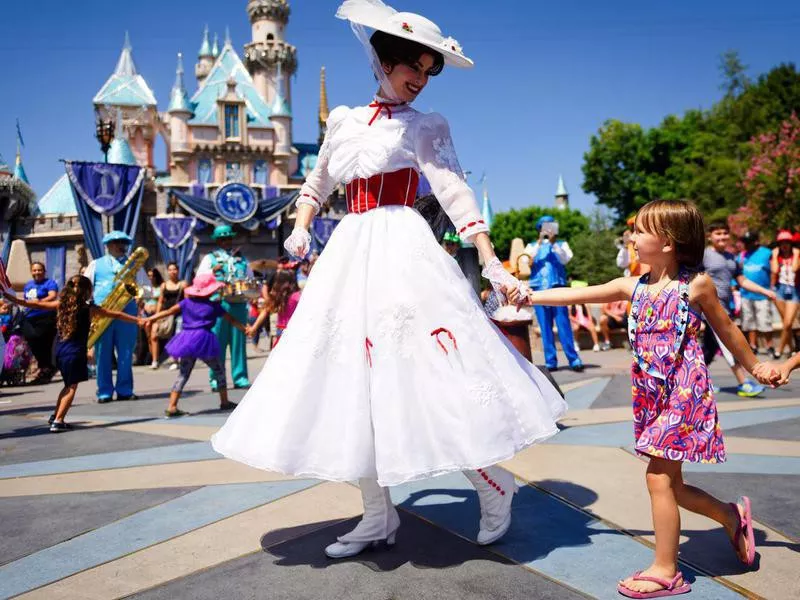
(675, 417)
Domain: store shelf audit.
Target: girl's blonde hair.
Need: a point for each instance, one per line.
(681, 223)
(77, 293)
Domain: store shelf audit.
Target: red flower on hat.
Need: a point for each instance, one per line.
(407, 27)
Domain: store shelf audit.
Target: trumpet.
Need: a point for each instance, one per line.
(125, 290)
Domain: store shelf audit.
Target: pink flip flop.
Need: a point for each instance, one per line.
(670, 588)
(745, 527)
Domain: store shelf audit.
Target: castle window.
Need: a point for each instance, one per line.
(260, 172)
(233, 172)
(231, 121)
(204, 171)
(270, 37)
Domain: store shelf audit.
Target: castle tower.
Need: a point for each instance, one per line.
(323, 107)
(281, 119)
(126, 93)
(562, 196)
(179, 113)
(487, 212)
(215, 46)
(205, 59)
(269, 49)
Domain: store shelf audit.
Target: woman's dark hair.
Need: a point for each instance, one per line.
(395, 50)
(173, 264)
(158, 279)
(283, 286)
(77, 293)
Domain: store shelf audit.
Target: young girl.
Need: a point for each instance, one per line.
(195, 340)
(73, 317)
(675, 417)
(785, 264)
(390, 371)
(283, 298)
(580, 316)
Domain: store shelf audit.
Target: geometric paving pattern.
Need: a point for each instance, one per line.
(132, 505)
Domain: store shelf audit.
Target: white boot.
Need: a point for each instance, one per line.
(379, 523)
(496, 488)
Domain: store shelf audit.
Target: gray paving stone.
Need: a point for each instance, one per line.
(779, 430)
(32, 523)
(427, 563)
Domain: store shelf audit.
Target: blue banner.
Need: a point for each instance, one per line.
(176, 242)
(106, 189)
(321, 230)
(204, 209)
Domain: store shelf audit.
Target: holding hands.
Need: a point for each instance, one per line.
(768, 373)
(503, 282)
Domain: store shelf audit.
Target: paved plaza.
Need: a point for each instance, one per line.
(129, 504)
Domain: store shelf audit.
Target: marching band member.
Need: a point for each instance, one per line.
(120, 337)
(228, 265)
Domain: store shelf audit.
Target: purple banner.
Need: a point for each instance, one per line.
(174, 231)
(106, 188)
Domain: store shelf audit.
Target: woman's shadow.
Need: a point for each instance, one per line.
(439, 527)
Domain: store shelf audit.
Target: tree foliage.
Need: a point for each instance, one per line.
(521, 223)
(595, 253)
(703, 155)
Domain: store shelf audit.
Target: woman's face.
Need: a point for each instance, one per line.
(408, 81)
(37, 272)
(172, 271)
(151, 276)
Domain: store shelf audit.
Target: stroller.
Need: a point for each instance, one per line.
(16, 354)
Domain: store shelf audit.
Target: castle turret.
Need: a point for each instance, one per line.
(269, 49)
(323, 107)
(127, 90)
(215, 46)
(179, 111)
(205, 59)
(562, 196)
(281, 119)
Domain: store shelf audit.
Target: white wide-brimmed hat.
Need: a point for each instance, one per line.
(411, 26)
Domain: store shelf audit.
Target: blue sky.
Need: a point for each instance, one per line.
(547, 74)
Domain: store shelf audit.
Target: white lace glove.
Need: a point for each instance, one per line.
(299, 243)
(499, 277)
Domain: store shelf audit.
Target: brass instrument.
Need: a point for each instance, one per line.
(125, 290)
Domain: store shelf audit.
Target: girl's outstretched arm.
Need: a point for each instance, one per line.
(703, 293)
(259, 322)
(41, 304)
(617, 289)
(115, 314)
(172, 310)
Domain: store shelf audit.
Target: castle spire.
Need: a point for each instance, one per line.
(486, 212)
(205, 47)
(323, 105)
(215, 46)
(179, 98)
(19, 170)
(125, 87)
(562, 195)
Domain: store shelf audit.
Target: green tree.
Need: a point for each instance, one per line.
(521, 223)
(702, 155)
(595, 253)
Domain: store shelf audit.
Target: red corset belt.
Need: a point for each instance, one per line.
(398, 188)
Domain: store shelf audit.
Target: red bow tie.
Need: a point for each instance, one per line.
(379, 106)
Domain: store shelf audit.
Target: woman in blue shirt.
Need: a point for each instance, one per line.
(39, 326)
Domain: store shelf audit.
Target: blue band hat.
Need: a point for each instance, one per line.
(117, 236)
(222, 232)
(543, 220)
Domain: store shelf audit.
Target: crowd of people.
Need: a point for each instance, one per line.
(388, 344)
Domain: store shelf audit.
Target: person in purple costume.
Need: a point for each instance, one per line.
(196, 340)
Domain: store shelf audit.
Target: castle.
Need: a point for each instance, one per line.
(235, 127)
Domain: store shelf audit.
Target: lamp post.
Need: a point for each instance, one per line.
(104, 132)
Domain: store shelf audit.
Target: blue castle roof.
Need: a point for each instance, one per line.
(19, 170)
(228, 66)
(125, 87)
(58, 199)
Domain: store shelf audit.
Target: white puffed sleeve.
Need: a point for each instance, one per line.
(437, 160)
(319, 184)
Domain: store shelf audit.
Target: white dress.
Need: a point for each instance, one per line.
(389, 368)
